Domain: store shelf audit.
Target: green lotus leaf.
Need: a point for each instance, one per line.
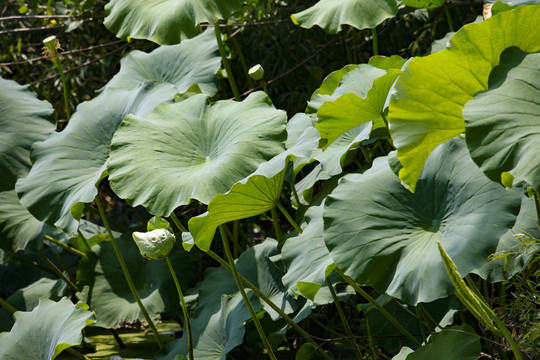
(24, 120)
(387, 62)
(505, 5)
(351, 110)
(383, 235)
(462, 340)
(306, 257)
(68, 165)
(221, 313)
(165, 22)
(27, 298)
(332, 14)
(502, 127)
(429, 96)
(193, 150)
(251, 196)
(516, 248)
(46, 331)
(105, 289)
(19, 230)
(328, 87)
(423, 4)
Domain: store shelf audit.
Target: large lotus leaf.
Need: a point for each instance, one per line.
(356, 79)
(253, 195)
(331, 14)
(517, 247)
(351, 110)
(23, 120)
(423, 4)
(462, 340)
(328, 87)
(27, 298)
(193, 150)
(306, 257)
(381, 234)
(221, 313)
(46, 331)
(426, 107)
(68, 165)
(502, 123)
(104, 287)
(165, 22)
(19, 230)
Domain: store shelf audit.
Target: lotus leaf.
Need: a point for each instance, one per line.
(502, 127)
(382, 235)
(165, 22)
(46, 331)
(193, 150)
(426, 107)
(69, 164)
(332, 14)
(24, 120)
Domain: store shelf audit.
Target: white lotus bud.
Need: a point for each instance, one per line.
(155, 244)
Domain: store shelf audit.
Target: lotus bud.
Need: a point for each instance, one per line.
(155, 244)
(256, 72)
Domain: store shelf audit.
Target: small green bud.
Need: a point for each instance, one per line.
(256, 72)
(155, 244)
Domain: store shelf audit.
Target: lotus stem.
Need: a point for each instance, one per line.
(343, 319)
(236, 276)
(276, 308)
(449, 18)
(381, 309)
(275, 221)
(184, 309)
(127, 274)
(84, 240)
(289, 217)
(64, 246)
(375, 41)
(178, 223)
(58, 272)
(7, 306)
(370, 341)
(225, 61)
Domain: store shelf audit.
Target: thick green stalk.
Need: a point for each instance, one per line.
(449, 19)
(277, 225)
(242, 61)
(84, 240)
(343, 319)
(184, 309)
(225, 61)
(127, 274)
(58, 272)
(289, 217)
(276, 308)
(370, 341)
(382, 310)
(178, 223)
(236, 276)
(64, 246)
(375, 41)
(64, 88)
(7, 306)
